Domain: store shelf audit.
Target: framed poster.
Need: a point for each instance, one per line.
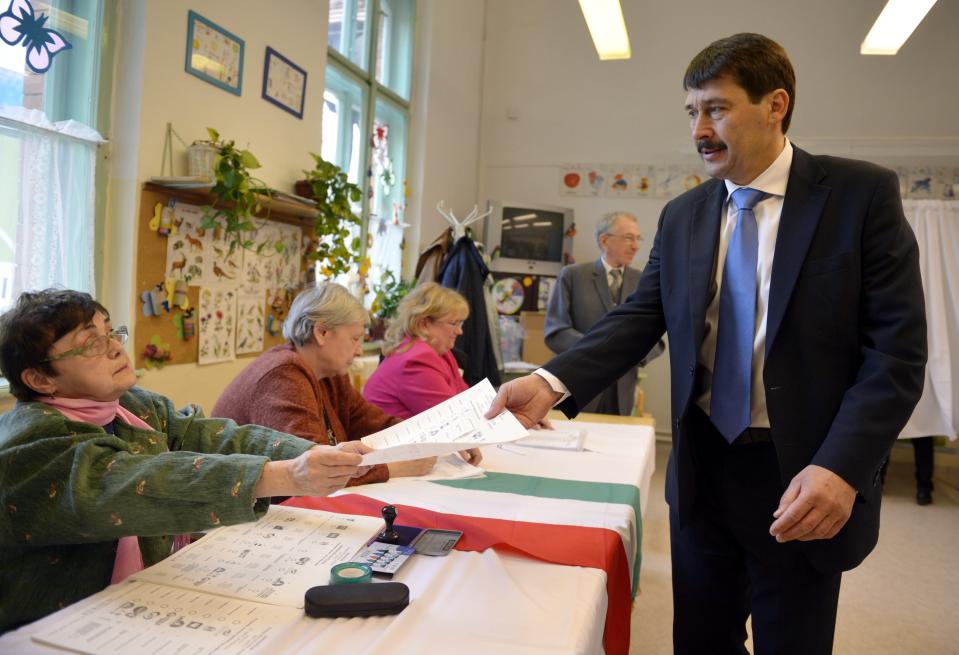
(284, 83)
(213, 54)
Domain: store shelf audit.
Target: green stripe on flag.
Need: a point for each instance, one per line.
(595, 492)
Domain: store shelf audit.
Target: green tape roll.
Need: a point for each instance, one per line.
(350, 573)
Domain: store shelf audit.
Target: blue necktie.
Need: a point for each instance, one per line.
(732, 368)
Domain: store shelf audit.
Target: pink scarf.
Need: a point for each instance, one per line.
(128, 560)
(97, 412)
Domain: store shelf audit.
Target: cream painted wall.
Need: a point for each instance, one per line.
(548, 100)
(445, 134)
(151, 88)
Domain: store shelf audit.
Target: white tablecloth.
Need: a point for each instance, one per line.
(484, 603)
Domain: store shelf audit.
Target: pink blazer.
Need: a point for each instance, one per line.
(408, 382)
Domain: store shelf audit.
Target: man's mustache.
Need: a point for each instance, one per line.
(706, 144)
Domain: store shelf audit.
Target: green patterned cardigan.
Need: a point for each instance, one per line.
(69, 491)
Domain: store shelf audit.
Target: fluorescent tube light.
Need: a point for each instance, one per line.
(896, 22)
(604, 18)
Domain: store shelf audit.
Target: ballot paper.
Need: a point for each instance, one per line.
(455, 424)
(142, 617)
(274, 560)
(224, 593)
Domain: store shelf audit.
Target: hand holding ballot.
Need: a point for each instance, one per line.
(456, 424)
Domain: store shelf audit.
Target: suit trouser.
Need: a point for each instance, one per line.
(726, 565)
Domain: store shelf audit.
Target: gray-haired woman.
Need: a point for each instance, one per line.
(301, 387)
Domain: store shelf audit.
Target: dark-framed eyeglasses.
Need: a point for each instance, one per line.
(95, 346)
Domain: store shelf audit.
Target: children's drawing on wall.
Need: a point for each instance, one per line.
(643, 181)
(186, 250)
(618, 181)
(217, 315)
(249, 322)
(669, 181)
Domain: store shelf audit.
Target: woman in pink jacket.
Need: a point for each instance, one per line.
(419, 370)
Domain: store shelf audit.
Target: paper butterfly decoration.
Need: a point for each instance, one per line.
(19, 23)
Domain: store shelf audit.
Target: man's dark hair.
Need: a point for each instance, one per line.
(755, 62)
(36, 322)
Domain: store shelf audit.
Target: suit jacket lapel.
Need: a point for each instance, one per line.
(801, 212)
(602, 286)
(703, 241)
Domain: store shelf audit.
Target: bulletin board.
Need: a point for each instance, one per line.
(238, 301)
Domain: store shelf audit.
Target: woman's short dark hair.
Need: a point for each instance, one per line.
(755, 62)
(36, 322)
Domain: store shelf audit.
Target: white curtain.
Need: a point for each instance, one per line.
(53, 166)
(936, 224)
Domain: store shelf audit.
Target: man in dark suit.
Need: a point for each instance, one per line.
(585, 292)
(790, 289)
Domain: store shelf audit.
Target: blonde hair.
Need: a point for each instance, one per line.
(427, 301)
(328, 304)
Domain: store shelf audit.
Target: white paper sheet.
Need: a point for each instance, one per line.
(451, 467)
(455, 424)
(142, 617)
(274, 560)
(554, 439)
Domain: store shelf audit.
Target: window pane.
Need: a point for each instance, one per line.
(67, 90)
(388, 207)
(394, 45)
(348, 31)
(344, 108)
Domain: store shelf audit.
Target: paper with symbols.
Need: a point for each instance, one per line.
(142, 617)
(455, 424)
(274, 560)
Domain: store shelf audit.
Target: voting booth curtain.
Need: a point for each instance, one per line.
(936, 224)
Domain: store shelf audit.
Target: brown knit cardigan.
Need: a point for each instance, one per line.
(279, 391)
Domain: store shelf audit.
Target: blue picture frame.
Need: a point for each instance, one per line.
(282, 83)
(214, 54)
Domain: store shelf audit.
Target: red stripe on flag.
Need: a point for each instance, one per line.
(571, 545)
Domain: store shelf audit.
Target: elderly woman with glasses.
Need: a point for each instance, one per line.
(302, 386)
(98, 476)
(419, 370)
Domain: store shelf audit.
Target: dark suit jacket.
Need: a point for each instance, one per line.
(845, 333)
(580, 298)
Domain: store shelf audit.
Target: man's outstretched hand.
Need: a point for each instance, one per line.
(528, 398)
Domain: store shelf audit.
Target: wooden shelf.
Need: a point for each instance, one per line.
(274, 208)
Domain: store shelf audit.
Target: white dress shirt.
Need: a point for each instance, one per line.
(768, 211)
(772, 181)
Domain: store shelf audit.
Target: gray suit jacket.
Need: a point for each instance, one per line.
(579, 299)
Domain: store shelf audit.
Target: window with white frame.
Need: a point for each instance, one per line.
(366, 117)
(48, 146)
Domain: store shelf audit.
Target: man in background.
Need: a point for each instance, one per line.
(585, 292)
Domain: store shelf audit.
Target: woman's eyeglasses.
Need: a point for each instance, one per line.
(95, 346)
(454, 324)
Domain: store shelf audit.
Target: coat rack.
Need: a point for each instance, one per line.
(459, 226)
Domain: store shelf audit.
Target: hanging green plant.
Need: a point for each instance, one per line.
(238, 194)
(337, 249)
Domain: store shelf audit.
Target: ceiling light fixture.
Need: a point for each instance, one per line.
(604, 18)
(895, 24)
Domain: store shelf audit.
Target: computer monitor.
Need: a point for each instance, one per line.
(530, 237)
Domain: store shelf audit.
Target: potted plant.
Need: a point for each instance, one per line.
(238, 194)
(386, 300)
(337, 248)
